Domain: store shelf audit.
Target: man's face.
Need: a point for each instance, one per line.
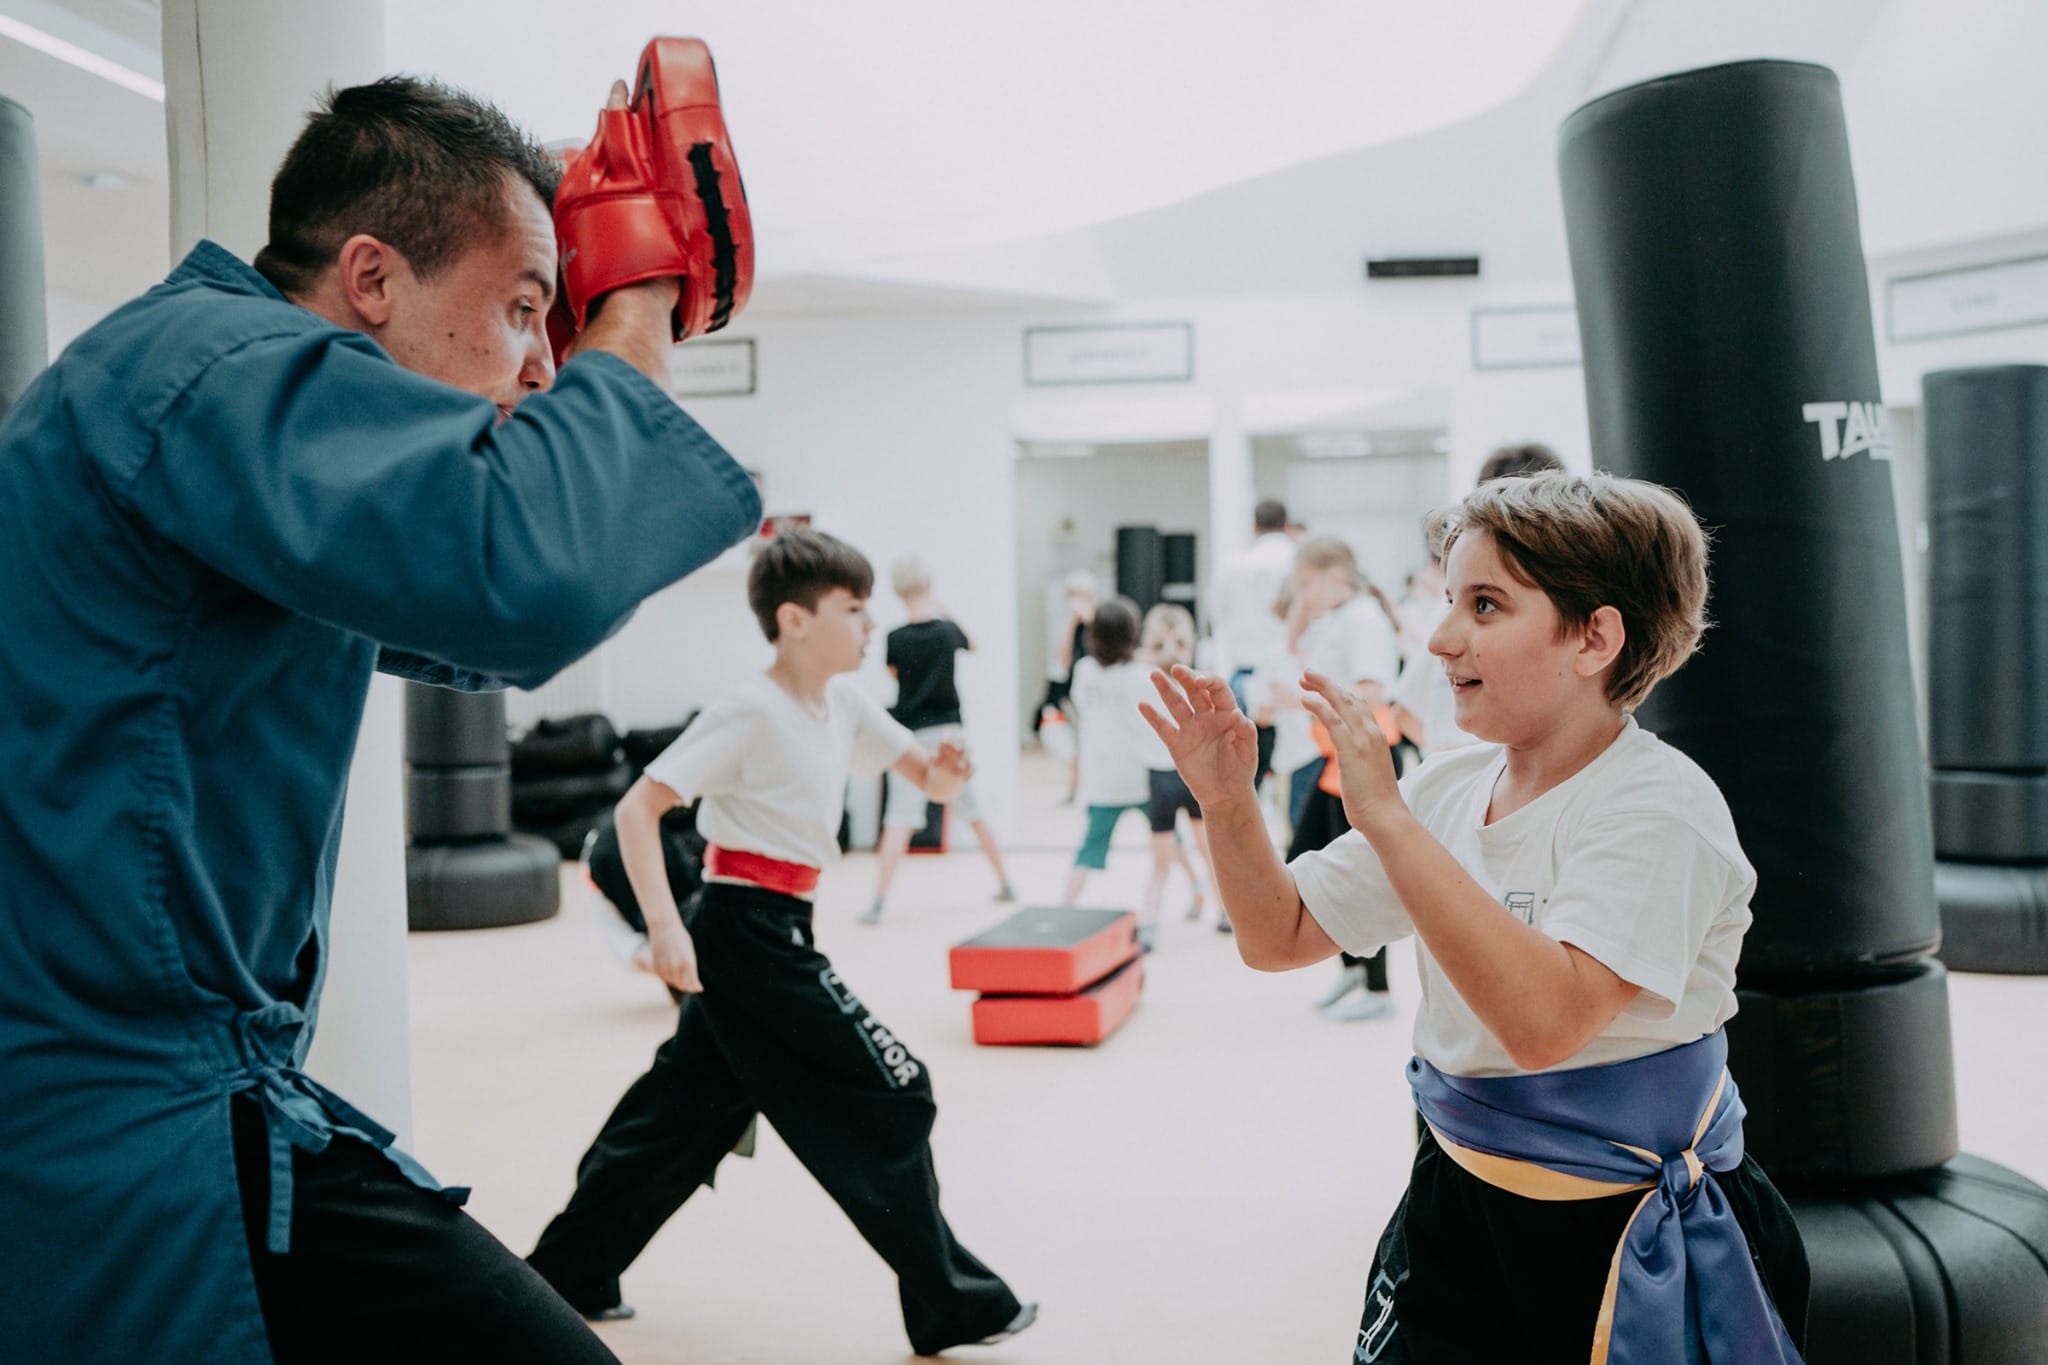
(480, 322)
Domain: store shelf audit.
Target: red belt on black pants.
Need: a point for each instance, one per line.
(772, 874)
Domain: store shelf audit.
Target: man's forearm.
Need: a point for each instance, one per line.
(1265, 909)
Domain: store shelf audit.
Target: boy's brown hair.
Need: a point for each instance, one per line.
(1593, 540)
(801, 566)
(1113, 632)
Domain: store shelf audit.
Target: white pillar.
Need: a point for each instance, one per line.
(1231, 498)
(240, 77)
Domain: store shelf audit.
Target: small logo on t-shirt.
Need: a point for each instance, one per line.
(1522, 905)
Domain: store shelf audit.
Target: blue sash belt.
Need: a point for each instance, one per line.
(1682, 1286)
(299, 1112)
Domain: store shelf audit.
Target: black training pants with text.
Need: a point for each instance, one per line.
(776, 1032)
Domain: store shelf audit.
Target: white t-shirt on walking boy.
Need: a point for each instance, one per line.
(772, 774)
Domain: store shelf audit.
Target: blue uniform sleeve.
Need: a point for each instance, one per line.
(316, 472)
(420, 669)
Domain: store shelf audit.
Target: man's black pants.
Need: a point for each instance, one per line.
(1467, 1274)
(776, 1032)
(383, 1270)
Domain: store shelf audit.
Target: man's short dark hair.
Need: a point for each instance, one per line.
(1513, 461)
(419, 166)
(1269, 515)
(801, 566)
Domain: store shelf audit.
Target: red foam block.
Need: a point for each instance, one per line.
(1045, 952)
(1085, 1018)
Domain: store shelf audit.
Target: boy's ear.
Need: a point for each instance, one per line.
(1600, 642)
(790, 619)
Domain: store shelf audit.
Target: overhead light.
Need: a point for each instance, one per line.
(126, 77)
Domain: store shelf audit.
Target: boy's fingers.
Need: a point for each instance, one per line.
(1175, 700)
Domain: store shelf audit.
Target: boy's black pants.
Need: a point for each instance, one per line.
(776, 1032)
(1467, 1274)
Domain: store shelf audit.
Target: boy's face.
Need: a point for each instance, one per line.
(1514, 676)
(834, 637)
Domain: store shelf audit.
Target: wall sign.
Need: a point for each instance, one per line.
(1538, 337)
(1981, 298)
(711, 369)
(1139, 353)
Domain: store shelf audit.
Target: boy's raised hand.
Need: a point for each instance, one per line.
(1364, 765)
(1212, 743)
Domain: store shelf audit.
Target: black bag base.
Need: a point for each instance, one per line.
(1993, 918)
(481, 886)
(1851, 1078)
(1947, 1266)
(458, 805)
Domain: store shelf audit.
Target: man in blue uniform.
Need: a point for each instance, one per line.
(220, 509)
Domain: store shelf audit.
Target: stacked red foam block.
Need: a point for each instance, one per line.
(1050, 976)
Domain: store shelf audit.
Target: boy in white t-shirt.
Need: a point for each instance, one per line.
(1579, 898)
(767, 1026)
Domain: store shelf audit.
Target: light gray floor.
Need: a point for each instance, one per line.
(1204, 1188)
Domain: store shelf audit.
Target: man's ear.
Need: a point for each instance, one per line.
(1600, 642)
(366, 268)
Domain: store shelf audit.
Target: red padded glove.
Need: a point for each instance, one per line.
(657, 195)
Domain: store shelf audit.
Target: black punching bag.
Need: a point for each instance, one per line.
(1725, 319)
(24, 330)
(1987, 662)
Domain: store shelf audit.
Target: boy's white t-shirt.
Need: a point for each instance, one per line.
(1633, 860)
(1116, 743)
(771, 775)
(1351, 643)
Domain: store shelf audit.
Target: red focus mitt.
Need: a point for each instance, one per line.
(657, 195)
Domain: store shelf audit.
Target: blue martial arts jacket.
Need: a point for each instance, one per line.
(218, 513)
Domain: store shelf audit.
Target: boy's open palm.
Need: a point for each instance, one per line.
(1212, 743)
(1364, 765)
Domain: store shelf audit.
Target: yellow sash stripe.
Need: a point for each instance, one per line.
(1532, 1181)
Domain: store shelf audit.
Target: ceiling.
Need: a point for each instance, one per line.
(914, 127)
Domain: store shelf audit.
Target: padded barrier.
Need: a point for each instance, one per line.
(572, 744)
(449, 729)
(1045, 952)
(1944, 1267)
(1993, 918)
(681, 851)
(1847, 1080)
(24, 327)
(1987, 568)
(481, 886)
(540, 801)
(458, 805)
(1724, 314)
(1082, 1019)
(1982, 817)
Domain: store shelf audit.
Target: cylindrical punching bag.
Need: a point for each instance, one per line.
(24, 326)
(1987, 568)
(1725, 320)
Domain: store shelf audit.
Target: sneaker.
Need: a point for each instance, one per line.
(1224, 926)
(1364, 1005)
(1348, 980)
(1196, 902)
(1026, 1315)
(1145, 935)
(872, 915)
(1006, 894)
(618, 1312)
